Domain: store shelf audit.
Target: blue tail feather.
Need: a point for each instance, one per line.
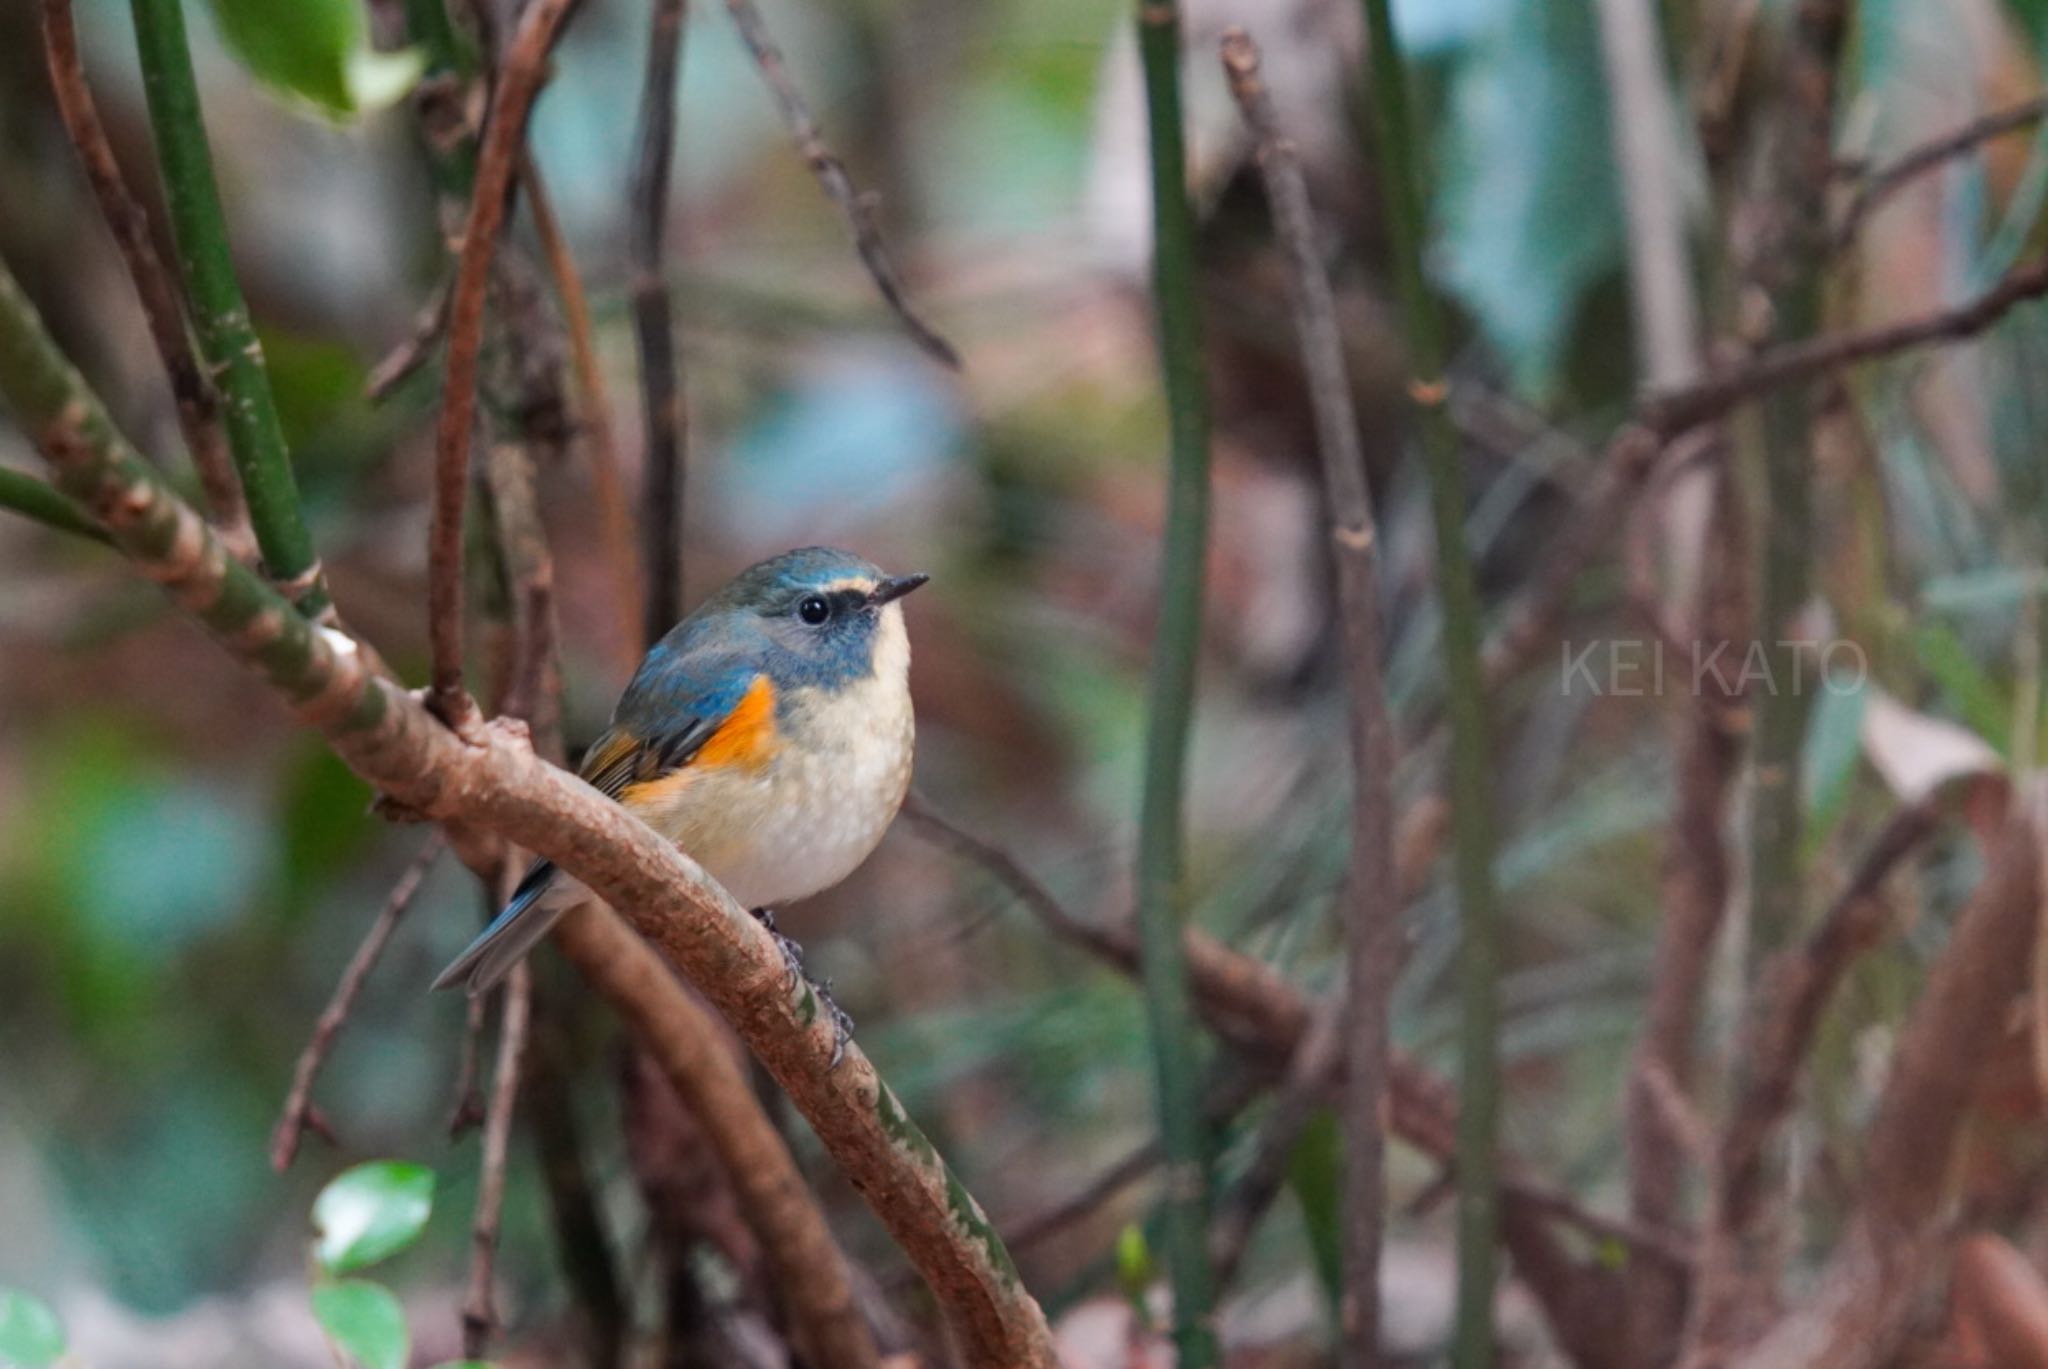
(512, 933)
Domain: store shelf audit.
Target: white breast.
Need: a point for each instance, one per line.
(814, 812)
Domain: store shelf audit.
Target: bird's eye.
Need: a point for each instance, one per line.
(813, 610)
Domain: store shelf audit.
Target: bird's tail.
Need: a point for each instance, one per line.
(537, 905)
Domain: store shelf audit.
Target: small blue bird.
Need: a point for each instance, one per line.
(768, 735)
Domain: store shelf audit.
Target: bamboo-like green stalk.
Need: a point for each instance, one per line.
(39, 500)
(227, 338)
(1471, 800)
(1161, 875)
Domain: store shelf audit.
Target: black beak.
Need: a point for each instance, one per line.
(895, 587)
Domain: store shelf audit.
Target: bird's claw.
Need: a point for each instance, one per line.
(793, 963)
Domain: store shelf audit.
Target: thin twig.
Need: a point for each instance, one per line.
(855, 207)
(664, 427)
(1876, 186)
(1795, 363)
(412, 352)
(615, 523)
(298, 1103)
(1694, 885)
(519, 81)
(197, 403)
(479, 1314)
(220, 315)
(1372, 907)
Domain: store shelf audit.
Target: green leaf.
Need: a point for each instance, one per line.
(1529, 209)
(1314, 1173)
(370, 1212)
(30, 1334)
(364, 1321)
(318, 52)
(1133, 1264)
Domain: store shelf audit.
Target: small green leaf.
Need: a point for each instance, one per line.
(1834, 743)
(370, 1212)
(364, 1321)
(30, 1335)
(317, 51)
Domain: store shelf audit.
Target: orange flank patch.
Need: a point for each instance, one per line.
(747, 736)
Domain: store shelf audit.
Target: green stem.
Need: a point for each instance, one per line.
(36, 499)
(220, 315)
(1170, 698)
(1471, 800)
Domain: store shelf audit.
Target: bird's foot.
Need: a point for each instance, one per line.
(793, 962)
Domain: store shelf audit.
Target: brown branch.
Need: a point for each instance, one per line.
(298, 1104)
(192, 392)
(664, 427)
(1874, 187)
(854, 207)
(809, 1274)
(1678, 411)
(479, 1315)
(1372, 902)
(1694, 887)
(518, 83)
(412, 352)
(595, 417)
(493, 780)
(1866, 1297)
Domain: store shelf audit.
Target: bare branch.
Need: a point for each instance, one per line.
(615, 523)
(832, 176)
(664, 426)
(1876, 186)
(479, 1314)
(518, 83)
(298, 1103)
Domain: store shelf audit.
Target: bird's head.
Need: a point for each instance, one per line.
(831, 616)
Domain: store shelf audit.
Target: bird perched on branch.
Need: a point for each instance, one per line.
(768, 735)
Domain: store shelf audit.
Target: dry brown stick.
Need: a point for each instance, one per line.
(1877, 185)
(664, 428)
(1694, 885)
(1372, 910)
(832, 177)
(1796, 990)
(298, 1104)
(519, 81)
(615, 523)
(479, 1314)
(412, 352)
(192, 392)
(808, 1271)
(1678, 411)
(1866, 1294)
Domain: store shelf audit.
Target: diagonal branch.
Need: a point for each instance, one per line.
(492, 779)
(298, 1111)
(853, 206)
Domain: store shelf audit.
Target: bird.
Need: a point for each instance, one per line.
(769, 735)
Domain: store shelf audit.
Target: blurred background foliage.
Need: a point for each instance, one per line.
(182, 873)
